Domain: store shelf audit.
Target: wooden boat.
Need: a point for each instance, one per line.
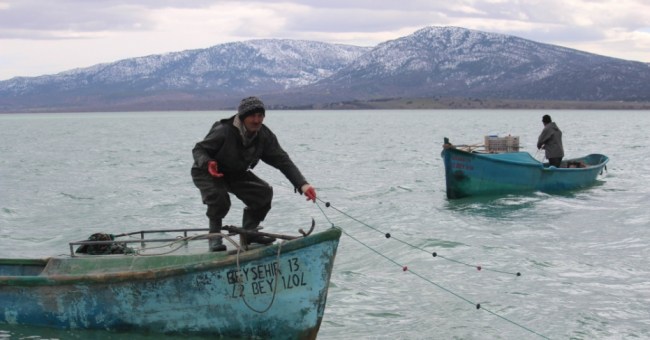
(275, 291)
(472, 173)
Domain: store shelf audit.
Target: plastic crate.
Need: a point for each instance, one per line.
(496, 144)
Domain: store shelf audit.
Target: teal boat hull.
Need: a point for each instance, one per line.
(476, 174)
(278, 291)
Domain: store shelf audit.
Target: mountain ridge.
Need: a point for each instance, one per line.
(433, 62)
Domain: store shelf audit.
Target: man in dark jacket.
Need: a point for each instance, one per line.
(551, 141)
(223, 162)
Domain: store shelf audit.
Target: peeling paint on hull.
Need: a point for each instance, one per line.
(476, 174)
(257, 293)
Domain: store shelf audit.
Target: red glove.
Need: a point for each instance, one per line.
(309, 192)
(212, 169)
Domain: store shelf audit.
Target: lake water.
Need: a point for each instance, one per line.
(583, 255)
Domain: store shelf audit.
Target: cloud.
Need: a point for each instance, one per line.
(68, 19)
(37, 35)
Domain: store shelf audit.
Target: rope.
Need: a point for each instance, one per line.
(181, 241)
(405, 268)
(434, 254)
(240, 280)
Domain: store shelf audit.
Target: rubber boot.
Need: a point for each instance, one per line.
(250, 222)
(216, 244)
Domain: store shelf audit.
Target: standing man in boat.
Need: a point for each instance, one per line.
(551, 141)
(223, 164)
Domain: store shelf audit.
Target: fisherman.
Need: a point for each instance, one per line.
(551, 141)
(223, 164)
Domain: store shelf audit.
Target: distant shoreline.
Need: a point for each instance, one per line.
(469, 103)
(375, 104)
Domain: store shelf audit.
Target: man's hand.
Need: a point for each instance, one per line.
(212, 169)
(309, 192)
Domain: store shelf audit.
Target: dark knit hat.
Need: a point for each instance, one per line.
(546, 119)
(250, 105)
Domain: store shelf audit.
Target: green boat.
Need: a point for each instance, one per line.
(270, 292)
(473, 173)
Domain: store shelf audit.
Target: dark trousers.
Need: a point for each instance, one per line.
(555, 161)
(254, 192)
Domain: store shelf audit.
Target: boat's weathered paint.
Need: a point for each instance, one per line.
(472, 174)
(188, 293)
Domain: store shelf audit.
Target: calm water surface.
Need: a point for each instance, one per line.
(583, 255)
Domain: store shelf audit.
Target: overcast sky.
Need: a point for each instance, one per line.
(49, 36)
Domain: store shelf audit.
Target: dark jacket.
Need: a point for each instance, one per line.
(224, 144)
(551, 139)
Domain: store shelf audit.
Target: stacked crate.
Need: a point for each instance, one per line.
(496, 144)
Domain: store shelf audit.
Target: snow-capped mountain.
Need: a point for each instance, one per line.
(190, 78)
(432, 62)
(456, 62)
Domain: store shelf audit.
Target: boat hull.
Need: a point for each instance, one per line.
(473, 174)
(281, 294)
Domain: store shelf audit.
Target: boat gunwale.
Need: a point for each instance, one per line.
(486, 156)
(330, 234)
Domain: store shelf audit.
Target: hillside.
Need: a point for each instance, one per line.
(435, 66)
